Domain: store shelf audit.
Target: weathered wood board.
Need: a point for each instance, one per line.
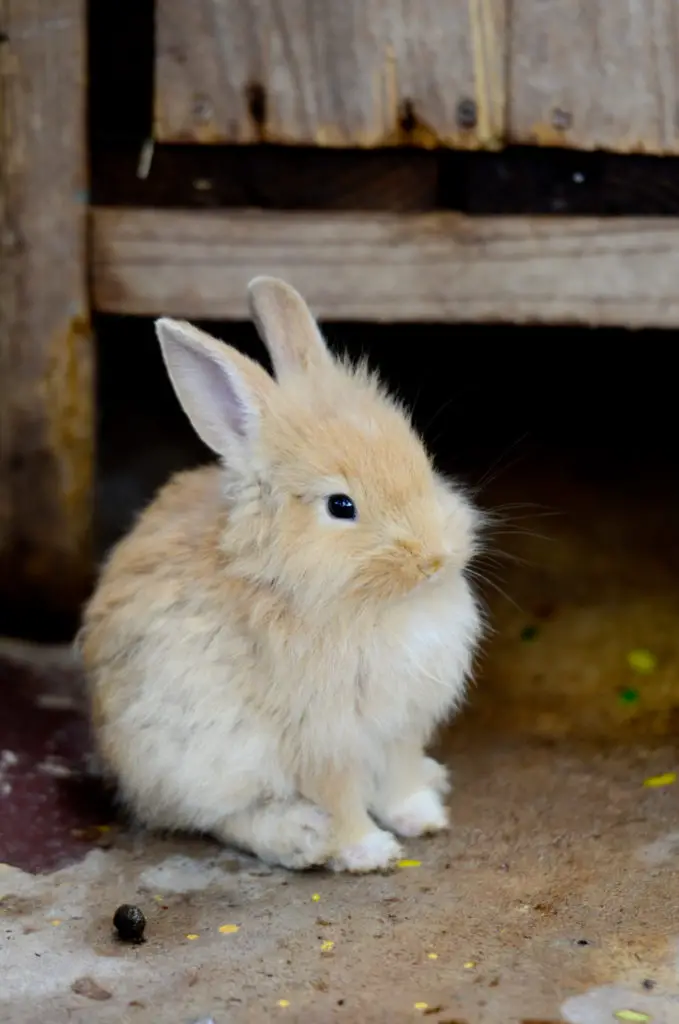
(46, 416)
(595, 74)
(331, 72)
(391, 267)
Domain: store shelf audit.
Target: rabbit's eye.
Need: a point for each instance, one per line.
(340, 506)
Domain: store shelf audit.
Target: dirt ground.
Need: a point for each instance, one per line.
(554, 898)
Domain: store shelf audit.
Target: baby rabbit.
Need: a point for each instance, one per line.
(271, 647)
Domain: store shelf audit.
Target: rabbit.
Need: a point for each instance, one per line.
(270, 649)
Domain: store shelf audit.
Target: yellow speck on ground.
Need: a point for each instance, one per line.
(470, 965)
(283, 1002)
(409, 863)
(229, 929)
(103, 828)
(56, 922)
(191, 936)
(660, 780)
(632, 1015)
(421, 1006)
(316, 897)
(158, 899)
(642, 661)
(432, 956)
(327, 946)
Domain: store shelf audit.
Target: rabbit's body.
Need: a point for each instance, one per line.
(257, 679)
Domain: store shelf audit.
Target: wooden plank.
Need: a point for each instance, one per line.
(46, 430)
(390, 267)
(595, 74)
(349, 73)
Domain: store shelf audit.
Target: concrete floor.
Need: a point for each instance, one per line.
(554, 898)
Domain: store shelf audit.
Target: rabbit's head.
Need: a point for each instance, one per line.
(329, 493)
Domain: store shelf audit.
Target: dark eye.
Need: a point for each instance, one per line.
(340, 506)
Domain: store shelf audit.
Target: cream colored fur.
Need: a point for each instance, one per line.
(257, 669)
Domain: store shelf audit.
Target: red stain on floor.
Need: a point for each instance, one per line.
(49, 804)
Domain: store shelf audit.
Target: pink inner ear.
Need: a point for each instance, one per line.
(212, 395)
(225, 399)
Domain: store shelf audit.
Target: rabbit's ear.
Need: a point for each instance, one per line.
(221, 391)
(286, 326)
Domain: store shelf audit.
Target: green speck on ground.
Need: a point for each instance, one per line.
(529, 633)
(629, 696)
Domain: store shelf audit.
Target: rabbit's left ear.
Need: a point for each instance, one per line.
(222, 392)
(286, 326)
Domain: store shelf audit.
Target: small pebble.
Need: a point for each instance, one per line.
(89, 989)
(129, 922)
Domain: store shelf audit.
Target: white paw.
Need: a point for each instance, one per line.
(421, 814)
(436, 776)
(376, 851)
(303, 839)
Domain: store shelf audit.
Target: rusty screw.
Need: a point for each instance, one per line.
(562, 120)
(467, 115)
(202, 109)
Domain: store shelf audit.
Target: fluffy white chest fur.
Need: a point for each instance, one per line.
(212, 748)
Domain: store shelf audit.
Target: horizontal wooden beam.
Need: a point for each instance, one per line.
(391, 267)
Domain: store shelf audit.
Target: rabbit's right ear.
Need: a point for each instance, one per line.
(221, 391)
(286, 326)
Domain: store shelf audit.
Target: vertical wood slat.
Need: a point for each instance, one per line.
(46, 407)
(352, 73)
(595, 74)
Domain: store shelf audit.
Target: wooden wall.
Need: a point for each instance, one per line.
(385, 93)
(437, 266)
(348, 73)
(464, 73)
(46, 402)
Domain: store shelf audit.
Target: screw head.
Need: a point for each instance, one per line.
(562, 120)
(202, 109)
(467, 114)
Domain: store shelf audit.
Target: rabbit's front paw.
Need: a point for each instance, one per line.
(303, 836)
(420, 814)
(376, 851)
(435, 776)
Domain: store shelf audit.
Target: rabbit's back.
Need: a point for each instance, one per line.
(166, 663)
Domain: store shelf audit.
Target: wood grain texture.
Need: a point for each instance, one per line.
(350, 73)
(390, 267)
(46, 421)
(595, 74)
